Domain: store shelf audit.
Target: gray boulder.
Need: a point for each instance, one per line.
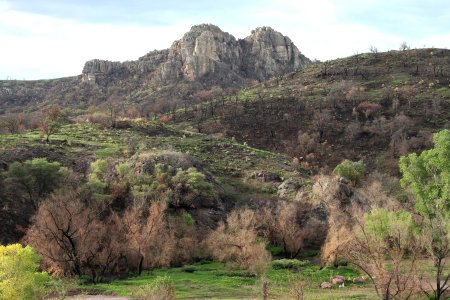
(287, 187)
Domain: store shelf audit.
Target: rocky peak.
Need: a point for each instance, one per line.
(270, 53)
(204, 50)
(198, 29)
(208, 54)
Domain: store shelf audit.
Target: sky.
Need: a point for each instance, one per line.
(41, 39)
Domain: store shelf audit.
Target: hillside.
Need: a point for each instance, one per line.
(372, 106)
(237, 170)
(203, 58)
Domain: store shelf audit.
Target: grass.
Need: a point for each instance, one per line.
(215, 280)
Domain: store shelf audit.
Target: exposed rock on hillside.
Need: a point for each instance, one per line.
(267, 53)
(208, 54)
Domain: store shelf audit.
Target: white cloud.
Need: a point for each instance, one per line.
(318, 30)
(39, 46)
(36, 46)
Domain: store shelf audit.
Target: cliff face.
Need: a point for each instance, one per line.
(212, 56)
(204, 51)
(268, 53)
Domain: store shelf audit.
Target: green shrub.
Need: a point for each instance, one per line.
(35, 178)
(289, 264)
(96, 179)
(99, 169)
(19, 276)
(188, 219)
(351, 170)
(275, 250)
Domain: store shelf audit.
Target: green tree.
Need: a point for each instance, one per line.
(428, 178)
(351, 170)
(36, 178)
(191, 188)
(19, 276)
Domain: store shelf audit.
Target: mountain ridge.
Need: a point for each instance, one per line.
(208, 54)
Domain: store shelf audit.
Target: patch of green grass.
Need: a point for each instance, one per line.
(214, 280)
(111, 151)
(206, 280)
(291, 264)
(443, 92)
(399, 79)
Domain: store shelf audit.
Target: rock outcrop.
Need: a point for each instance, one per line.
(268, 53)
(209, 55)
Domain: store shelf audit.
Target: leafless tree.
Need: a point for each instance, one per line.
(70, 237)
(13, 122)
(404, 46)
(236, 242)
(146, 233)
(384, 260)
(285, 226)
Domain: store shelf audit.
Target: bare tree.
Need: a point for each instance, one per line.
(383, 241)
(146, 234)
(286, 228)
(13, 122)
(236, 242)
(51, 122)
(70, 237)
(321, 123)
(336, 196)
(373, 49)
(404, 46)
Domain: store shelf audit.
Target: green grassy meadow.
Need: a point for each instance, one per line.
(214, 280)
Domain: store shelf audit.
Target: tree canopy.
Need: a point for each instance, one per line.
(428, 175)
(36, 178)
(19, 276)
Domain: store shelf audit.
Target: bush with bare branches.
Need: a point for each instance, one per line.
(385, 248)
(290, 226)
(147, 235)
(236, 242)
(70, 237)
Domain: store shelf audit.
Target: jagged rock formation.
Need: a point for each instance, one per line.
(208, 54)
(268, 53)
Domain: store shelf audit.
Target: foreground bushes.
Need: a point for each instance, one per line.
(78, 239)
(19, 276)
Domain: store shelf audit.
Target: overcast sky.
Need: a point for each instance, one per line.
(53, 38)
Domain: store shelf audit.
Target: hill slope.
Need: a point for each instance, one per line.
(204, 57)
(373, 106)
